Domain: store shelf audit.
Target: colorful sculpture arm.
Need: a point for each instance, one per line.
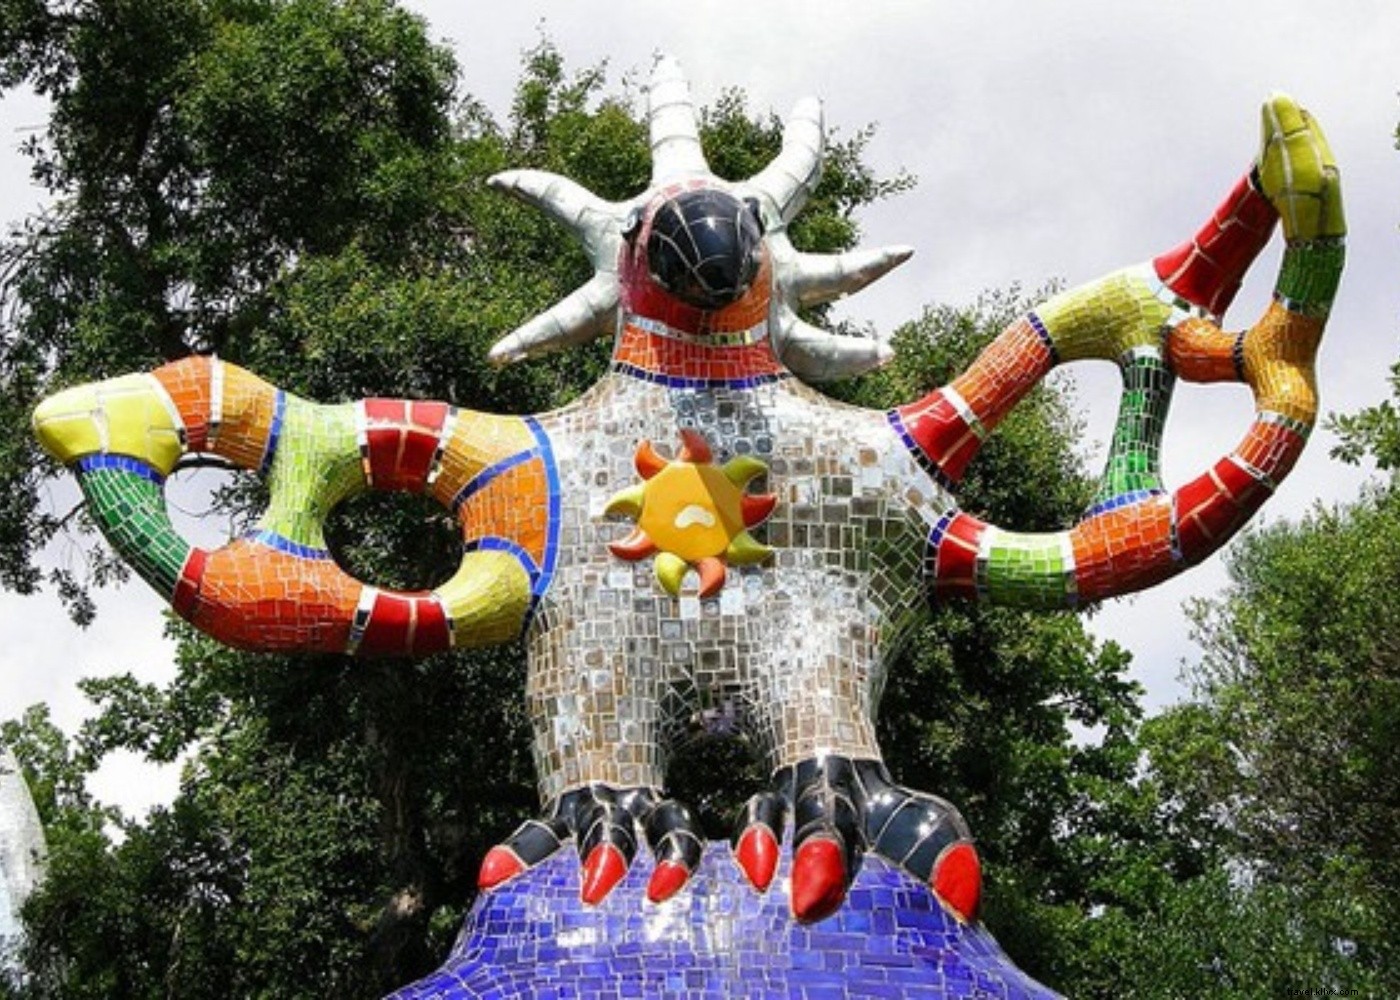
(277, 589)
(1156, 322)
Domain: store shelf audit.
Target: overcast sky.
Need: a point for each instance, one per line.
(1049, 141)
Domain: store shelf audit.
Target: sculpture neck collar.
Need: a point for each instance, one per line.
(654, 352)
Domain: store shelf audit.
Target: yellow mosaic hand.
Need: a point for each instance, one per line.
(1298, 173)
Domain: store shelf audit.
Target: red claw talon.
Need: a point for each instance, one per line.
(757, 855)
(667, 880)
(957, 880)
(604, 869)
(818, 880)
(500, 865)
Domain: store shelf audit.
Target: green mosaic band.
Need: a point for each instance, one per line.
(1310, 274)
(1025, 570)
(317, 465)
(126, 498)
(1135, 455)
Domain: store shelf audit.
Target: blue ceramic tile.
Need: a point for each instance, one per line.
(716, 940)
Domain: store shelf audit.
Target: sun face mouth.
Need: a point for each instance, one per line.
(693, 514)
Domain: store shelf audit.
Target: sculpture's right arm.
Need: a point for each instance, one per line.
(277, 589)
(1158, 322)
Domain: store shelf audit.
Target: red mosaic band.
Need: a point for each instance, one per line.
(1207, 269)
(954, 555)
(401, 441)
(186, 595)
(1216, 504)
(405, 625)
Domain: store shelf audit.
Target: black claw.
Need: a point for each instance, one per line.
(534, 840)
(828, 801)
(597, 818)
(671, 832)
(638, 801)
(767, 809)
(908, 828)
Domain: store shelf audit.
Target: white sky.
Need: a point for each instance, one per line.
(1050, 140)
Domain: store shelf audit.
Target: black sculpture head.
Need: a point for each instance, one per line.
(704, 247)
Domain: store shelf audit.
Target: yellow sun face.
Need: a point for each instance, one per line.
(691, 513)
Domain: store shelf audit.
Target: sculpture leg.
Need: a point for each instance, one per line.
(600, 739)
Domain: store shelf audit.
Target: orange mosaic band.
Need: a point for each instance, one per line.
(946, 428)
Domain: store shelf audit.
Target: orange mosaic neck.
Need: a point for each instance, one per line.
(650, 351)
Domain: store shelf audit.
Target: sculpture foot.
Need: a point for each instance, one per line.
(603, 822)
(841, 809)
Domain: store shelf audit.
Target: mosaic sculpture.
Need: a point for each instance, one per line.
(21, 858)
(701, 539)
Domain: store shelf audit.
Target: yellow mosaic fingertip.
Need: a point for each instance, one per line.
(1298, 173)
(131, 415)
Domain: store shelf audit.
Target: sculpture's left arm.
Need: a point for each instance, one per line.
(277, 588)
(1158, 322)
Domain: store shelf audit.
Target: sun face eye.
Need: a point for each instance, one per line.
(692, 514)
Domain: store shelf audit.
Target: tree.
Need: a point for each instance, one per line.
(284, 181)
(1285, 762)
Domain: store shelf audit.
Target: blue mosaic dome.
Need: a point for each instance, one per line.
(717, 940)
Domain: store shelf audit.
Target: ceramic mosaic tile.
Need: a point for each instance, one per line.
(718, 940)
(704, 543)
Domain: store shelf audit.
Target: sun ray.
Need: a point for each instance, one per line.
(628, 503)
(712, 575)
(647, 461)
(757, 507)
(743, 468)
(670, 571)
(745, 550)
(694, 448)
(637, 545)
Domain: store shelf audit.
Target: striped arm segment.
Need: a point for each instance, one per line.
(277, 588)
(1158, 323)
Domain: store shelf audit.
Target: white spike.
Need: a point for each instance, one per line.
(787, 182)
(587, 312)
(817, 355)
(594, 220)
(675, 138)
(814, 279)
